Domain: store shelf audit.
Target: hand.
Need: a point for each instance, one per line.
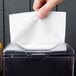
(43, 7)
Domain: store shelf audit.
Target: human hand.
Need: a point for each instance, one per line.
(43, 7)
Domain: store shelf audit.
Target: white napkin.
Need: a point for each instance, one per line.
(31, 33)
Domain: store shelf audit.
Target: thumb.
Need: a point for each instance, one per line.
(45, 9)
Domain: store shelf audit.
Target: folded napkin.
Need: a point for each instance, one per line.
(31, 33)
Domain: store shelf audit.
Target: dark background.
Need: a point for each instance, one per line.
(16, 6)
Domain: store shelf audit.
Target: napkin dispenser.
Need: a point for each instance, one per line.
(22, 60)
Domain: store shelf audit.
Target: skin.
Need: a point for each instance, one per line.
(43, 7)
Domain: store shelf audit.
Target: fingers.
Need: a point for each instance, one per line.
(42, 11)
(37, 4)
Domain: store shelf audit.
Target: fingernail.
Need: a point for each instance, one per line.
(39, 15)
